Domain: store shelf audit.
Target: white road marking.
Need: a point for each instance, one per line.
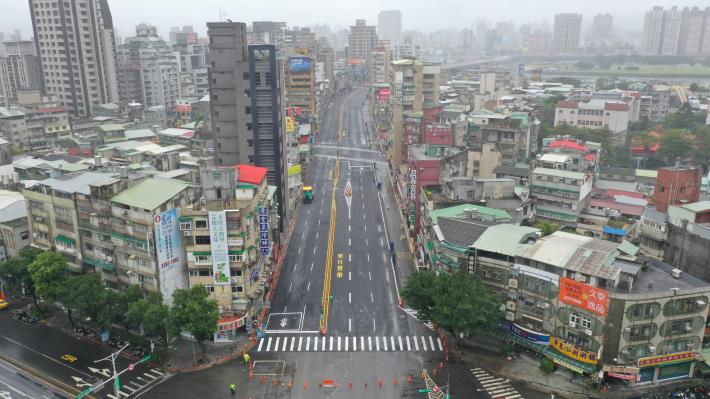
(283, 349)
(416, 344)
(372, 297)
(382, 243)
(365, 226)
(431, 343)
(384, 342)
(441, 348)
(355, 343)
(293, 341)
(350, 299)
(289, 287)
(331, 343)
(309, 286)
(347, 342)
(317, 234)
(368, 257)
(424, 344)
(299, 250)
(392, 342)
(348, 227)
(369, 343)
(300, 341)
(363, 216)
(276, 344)
(400, 343)
(315, 343)
(314, 249)
(377, 343)
(261, 342)
(268, 345)
(308, 344)
(350, 276)
(409, 348)
(350, 257)
(322, 346)
(311, 266)
(350, 326)
(349, 242)
(373, 325)
(370, 274)
(338, 343)
(366, 242)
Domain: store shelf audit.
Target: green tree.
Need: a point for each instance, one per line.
(48, 272)
(418, 293)
(117, 304)
(675, 144)
(702, 149)
(84, 295)
(693, 87)
(547, 227)
(464, 304)
(455, 302)
(15, 274)
(193, 312)
(152, 314)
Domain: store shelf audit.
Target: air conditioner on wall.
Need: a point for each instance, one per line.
(572, 324)
(186, 233)
(588, 332)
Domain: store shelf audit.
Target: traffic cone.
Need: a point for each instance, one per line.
(350, 385)
(290, 384)
(441, 365)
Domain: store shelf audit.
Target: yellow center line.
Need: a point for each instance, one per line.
(325, 300)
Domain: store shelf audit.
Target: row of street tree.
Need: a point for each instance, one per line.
(44, 277)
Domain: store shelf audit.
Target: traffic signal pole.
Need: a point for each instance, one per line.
(112, 357)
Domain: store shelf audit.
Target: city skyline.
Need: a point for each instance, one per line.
(629, 15)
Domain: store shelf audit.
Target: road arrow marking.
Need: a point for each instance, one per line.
(104, 372)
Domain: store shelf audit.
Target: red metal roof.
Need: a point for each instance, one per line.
(626, 209)
(634, 194)
(569, 144)
(616, 106)
(567, 104)
(51, 109)
(251, 174)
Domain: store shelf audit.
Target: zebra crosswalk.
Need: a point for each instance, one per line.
(135, 383)
(495, 387)
(370, 161)
(409, 343)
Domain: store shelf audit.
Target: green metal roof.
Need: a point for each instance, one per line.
(503, 239)
(457, 211)
(628, 248)
(208, 253)
(111, 127)
(151, 193)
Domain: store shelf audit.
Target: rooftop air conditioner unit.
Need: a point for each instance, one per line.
(676, 273)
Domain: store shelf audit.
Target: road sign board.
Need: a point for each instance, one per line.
(131, 367)
(425, 390)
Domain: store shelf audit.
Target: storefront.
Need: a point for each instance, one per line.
(655, 369)
(227, 327)
(559, 351)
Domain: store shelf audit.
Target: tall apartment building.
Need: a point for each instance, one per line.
(602, 26)
(565, 38)
(414, 87)
(380, 63)
(246, 102)
(301, 84)
(389, 26)
(362, 40)
(694, 35)
(326, 55)
(19, 67)
(661, 30)
(184, 35)
(193, 62)
(78, 65)
(267, 32)
(149, 70)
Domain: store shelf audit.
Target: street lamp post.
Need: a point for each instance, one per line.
(112, 357)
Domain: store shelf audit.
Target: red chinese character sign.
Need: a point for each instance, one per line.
(584, 296)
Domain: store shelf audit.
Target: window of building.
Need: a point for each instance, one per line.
(209, 288)
(237, 288)
(202, 259)
(236, 257)
(580, 320)
(185, 225)
(202, 240)
(640, 332)
(200, 223)
(236, 273)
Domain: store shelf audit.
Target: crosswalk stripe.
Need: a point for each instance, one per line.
(431, 343)
(285, 342)
(293, 341)
(276, 344)
(416, 344)
(438, 340)
(322, 345)
(152, 377)
(355, 344)
(156, 371)
(392, 342)
(362, 344)
(516, 396)
(384, 342)
(400, 343)
(136, 385)
(347, 340)
(369, 343)
(338, 343)
(424, 344)
(409, 348)
(261, 342)
(377, 343)
(268, 344)
(130, 390)
(331, 343)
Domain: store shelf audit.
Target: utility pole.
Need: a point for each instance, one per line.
(112, 357)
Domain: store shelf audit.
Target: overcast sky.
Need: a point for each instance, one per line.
(424, 15)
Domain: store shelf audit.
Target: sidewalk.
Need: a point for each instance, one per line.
(182, 358)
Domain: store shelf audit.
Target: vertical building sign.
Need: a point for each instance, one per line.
(169, 253)
(412, 195)
(219, 247)
(264, 230)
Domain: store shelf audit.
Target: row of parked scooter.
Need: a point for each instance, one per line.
(25, 316)
(114, 341)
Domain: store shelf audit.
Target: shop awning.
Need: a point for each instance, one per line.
(65, 239)
(557, 357)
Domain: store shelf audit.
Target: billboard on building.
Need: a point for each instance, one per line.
(573, 351)
(290, 125)
(383, 94)
(299, 64)
(584, 296)
(438, 135)
(219, 247)
(169, 253)
(183, 108)
(530, 335)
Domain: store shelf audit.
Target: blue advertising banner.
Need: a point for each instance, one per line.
(264, 230)
(529, 335)
(299, 64)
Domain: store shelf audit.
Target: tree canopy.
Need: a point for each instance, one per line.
(193, 312)
(48, 272)
(455, 302)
